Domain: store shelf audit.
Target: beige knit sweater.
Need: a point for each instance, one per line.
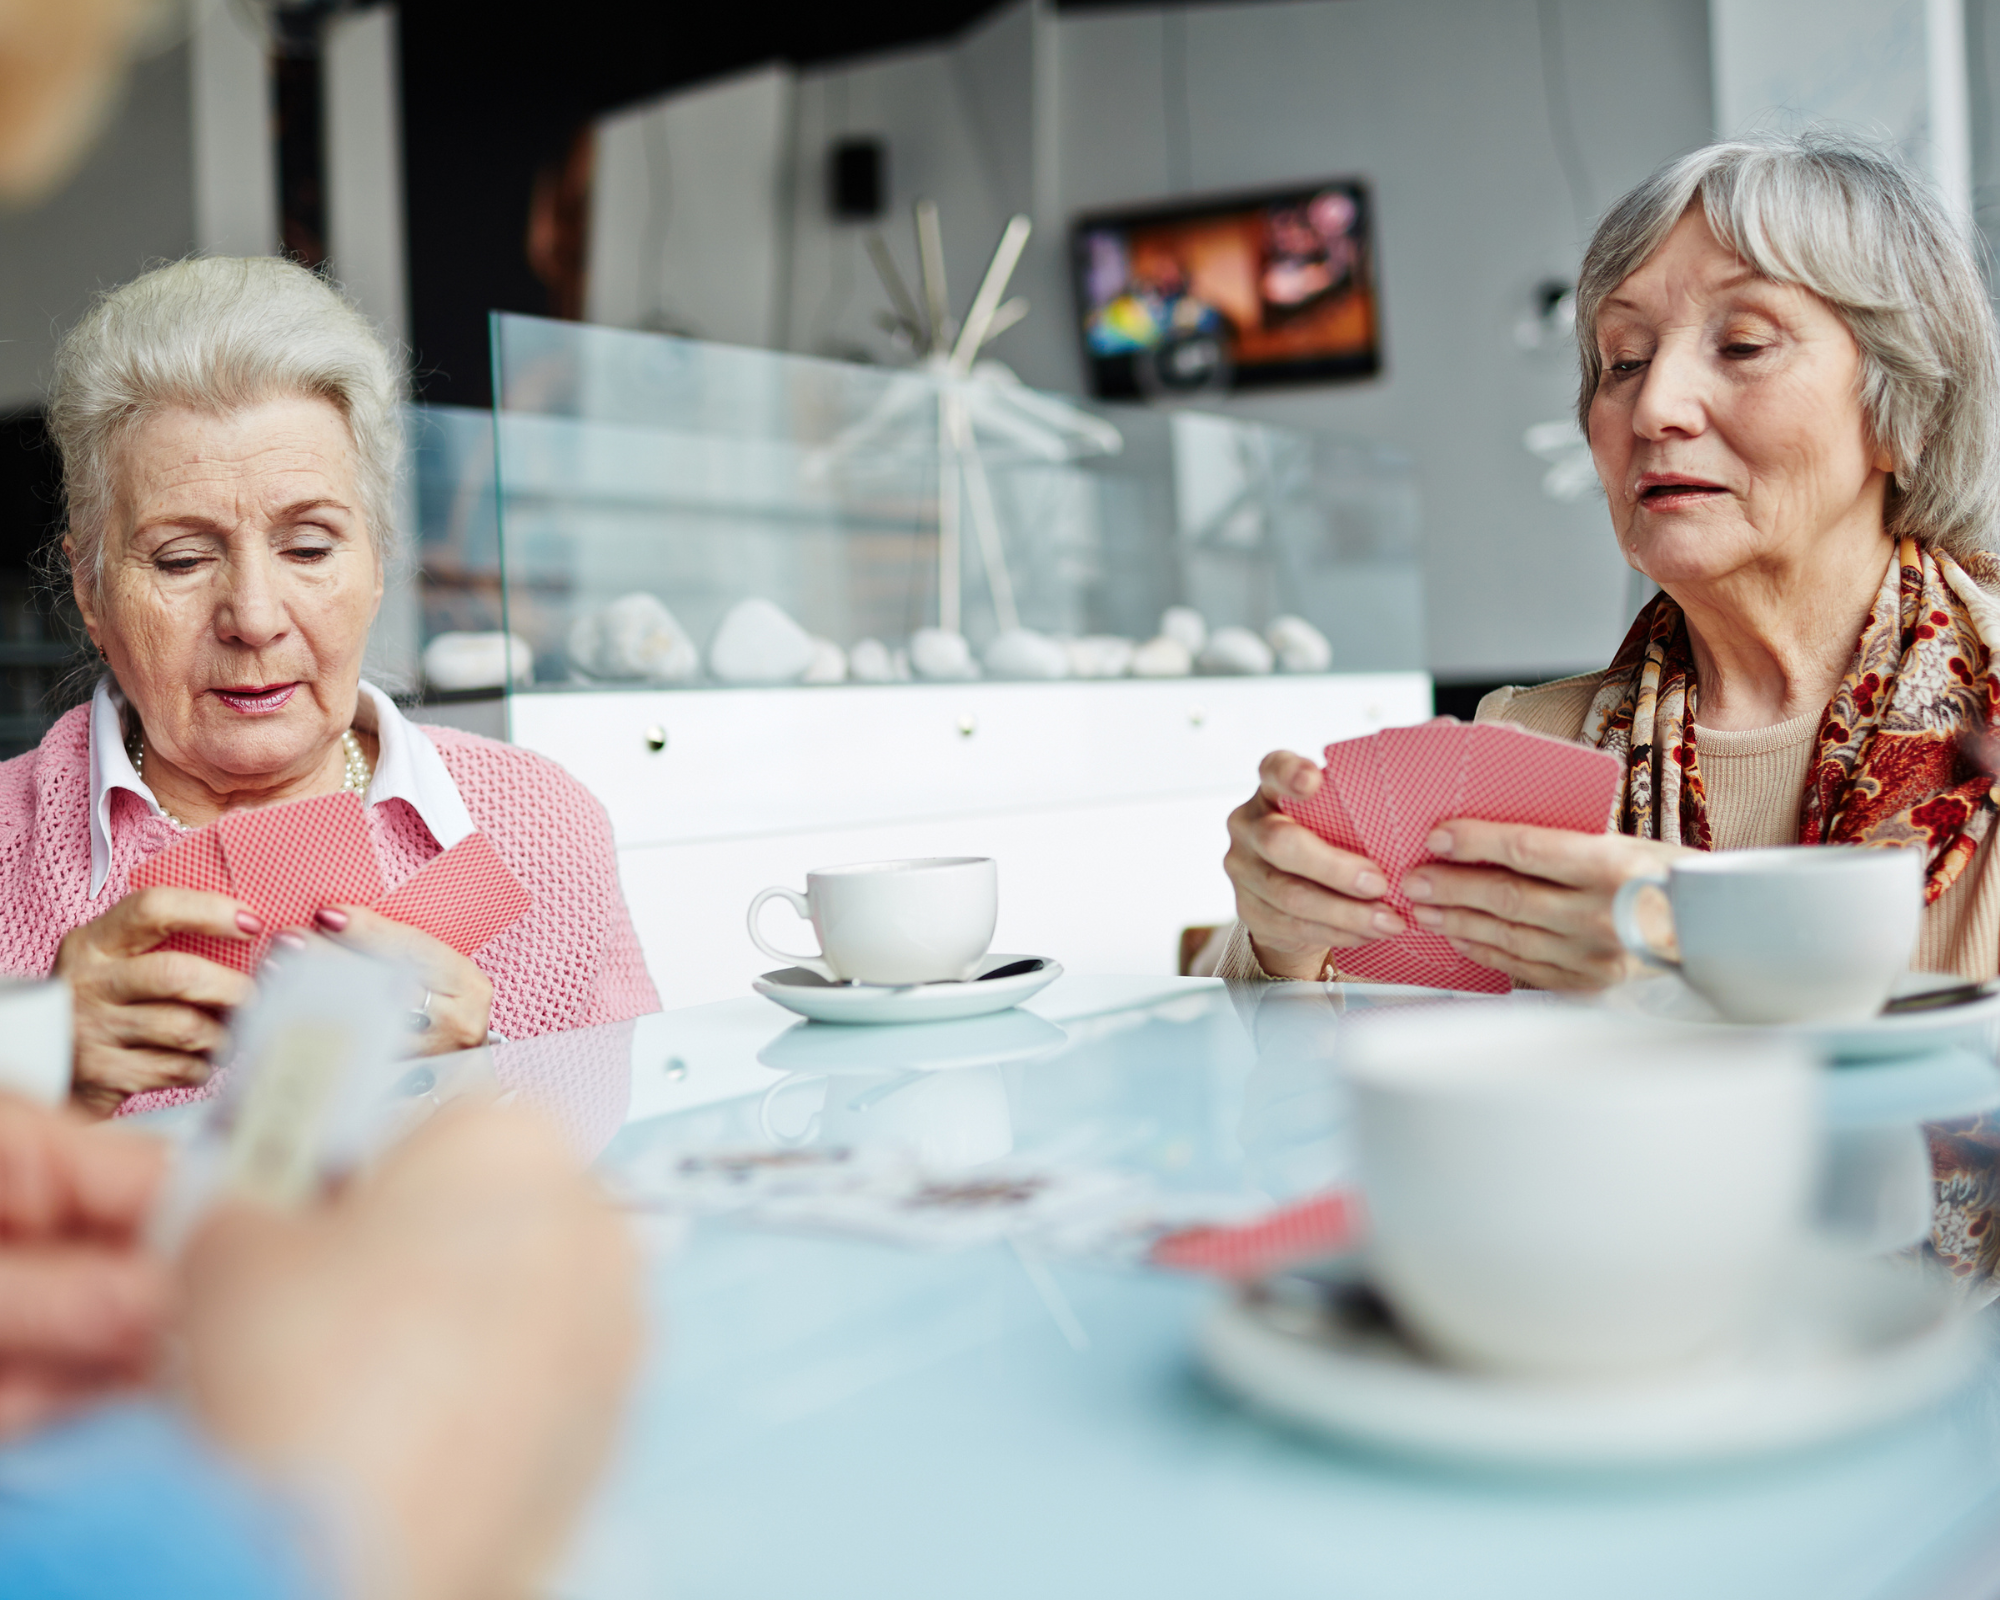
(1755, 781)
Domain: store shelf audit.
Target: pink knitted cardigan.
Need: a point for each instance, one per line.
(572, 962)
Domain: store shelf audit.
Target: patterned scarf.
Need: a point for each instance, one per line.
(1887, 768)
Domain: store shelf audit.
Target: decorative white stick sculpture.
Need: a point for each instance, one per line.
(973, 398)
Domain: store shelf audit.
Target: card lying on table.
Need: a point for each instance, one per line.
(1383, 795)
(288, 861)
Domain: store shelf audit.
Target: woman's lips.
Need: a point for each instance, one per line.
(257, 702)
(1663, 493)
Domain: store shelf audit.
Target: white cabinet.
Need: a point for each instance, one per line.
(1104, 803)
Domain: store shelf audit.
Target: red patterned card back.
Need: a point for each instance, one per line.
(1325, 1225)
(1504, 774)
(1520, 776)
(465, 897)
(290, 861)
(1424, 773)
(196, 862)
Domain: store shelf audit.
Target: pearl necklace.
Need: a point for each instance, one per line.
(356, 776)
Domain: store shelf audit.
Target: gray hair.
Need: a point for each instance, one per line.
(1855, 227)
(218, 334)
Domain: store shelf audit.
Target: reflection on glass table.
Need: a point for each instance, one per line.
(836, 1414)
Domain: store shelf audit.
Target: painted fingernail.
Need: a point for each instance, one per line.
(1417, 887)
(1370, 884)
(1387, 922)
(331, 920)
(249, 922)
(290, 940)
(1439, 843)
(1428, 916)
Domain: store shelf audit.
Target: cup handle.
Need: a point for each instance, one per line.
(803, 907)
(1625, 918)
(770, 1129)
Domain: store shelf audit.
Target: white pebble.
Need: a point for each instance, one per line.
(1300, 647)
(941, 656)
(1162, 658)
(477, 660)
(1100, 655)
(1237, 651)
(1185, 624)
(870, 662)
(759, 643)
(635, 636)
(829, 663)
(1024, 653)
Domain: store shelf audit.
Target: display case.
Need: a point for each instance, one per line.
(777, 611)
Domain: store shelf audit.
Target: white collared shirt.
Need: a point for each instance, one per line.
(408, 768)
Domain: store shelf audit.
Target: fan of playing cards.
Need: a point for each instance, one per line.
(1382, 796)
(287, 862)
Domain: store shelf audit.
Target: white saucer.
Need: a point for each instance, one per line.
(1872, 1343)
(1669, 999)
(812, 996)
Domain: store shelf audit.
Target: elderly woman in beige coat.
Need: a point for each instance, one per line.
(1790, 387)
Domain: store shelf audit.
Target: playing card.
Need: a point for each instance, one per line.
(1397, 786)
(290, 861)
(465, 897)
(1424, 772)
(195, 862)
(1354, 777)
(947, 1211)
(1518, 776)
(716, 1182)
(1307, 1230)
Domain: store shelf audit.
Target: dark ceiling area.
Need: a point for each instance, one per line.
(492, 97)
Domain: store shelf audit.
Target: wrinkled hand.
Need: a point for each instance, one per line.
(1296, 895)
(461, 1006)
(445, 1346)
(148, 1018)
(1534, 903)
(80, 1303)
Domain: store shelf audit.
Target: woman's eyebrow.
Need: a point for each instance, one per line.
(299, 508)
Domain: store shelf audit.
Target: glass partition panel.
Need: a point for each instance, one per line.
(643, 509)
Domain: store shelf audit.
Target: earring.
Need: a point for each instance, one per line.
(101, 656)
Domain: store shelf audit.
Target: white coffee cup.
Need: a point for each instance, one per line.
(1559, 1192)
(922, 921)
(35, 1039)
(1819, 933)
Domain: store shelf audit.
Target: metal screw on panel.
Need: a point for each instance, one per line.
(967, 727)
(677, 1069)
(1197, 715)
(656, 738)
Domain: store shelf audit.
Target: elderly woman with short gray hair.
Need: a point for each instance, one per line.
(1791, 389)
(231, 435)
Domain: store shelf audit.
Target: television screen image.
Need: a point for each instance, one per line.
(1231, 293)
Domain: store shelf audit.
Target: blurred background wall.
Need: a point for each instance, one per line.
(675, 171)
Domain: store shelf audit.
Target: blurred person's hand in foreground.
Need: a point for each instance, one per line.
(439, 1354)
(81, 1304)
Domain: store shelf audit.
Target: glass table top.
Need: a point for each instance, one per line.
(828, 1415)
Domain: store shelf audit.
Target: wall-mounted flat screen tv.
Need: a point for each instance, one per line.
(1236, 292)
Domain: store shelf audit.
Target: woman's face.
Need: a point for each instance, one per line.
(238, 584)
(1727, 426)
